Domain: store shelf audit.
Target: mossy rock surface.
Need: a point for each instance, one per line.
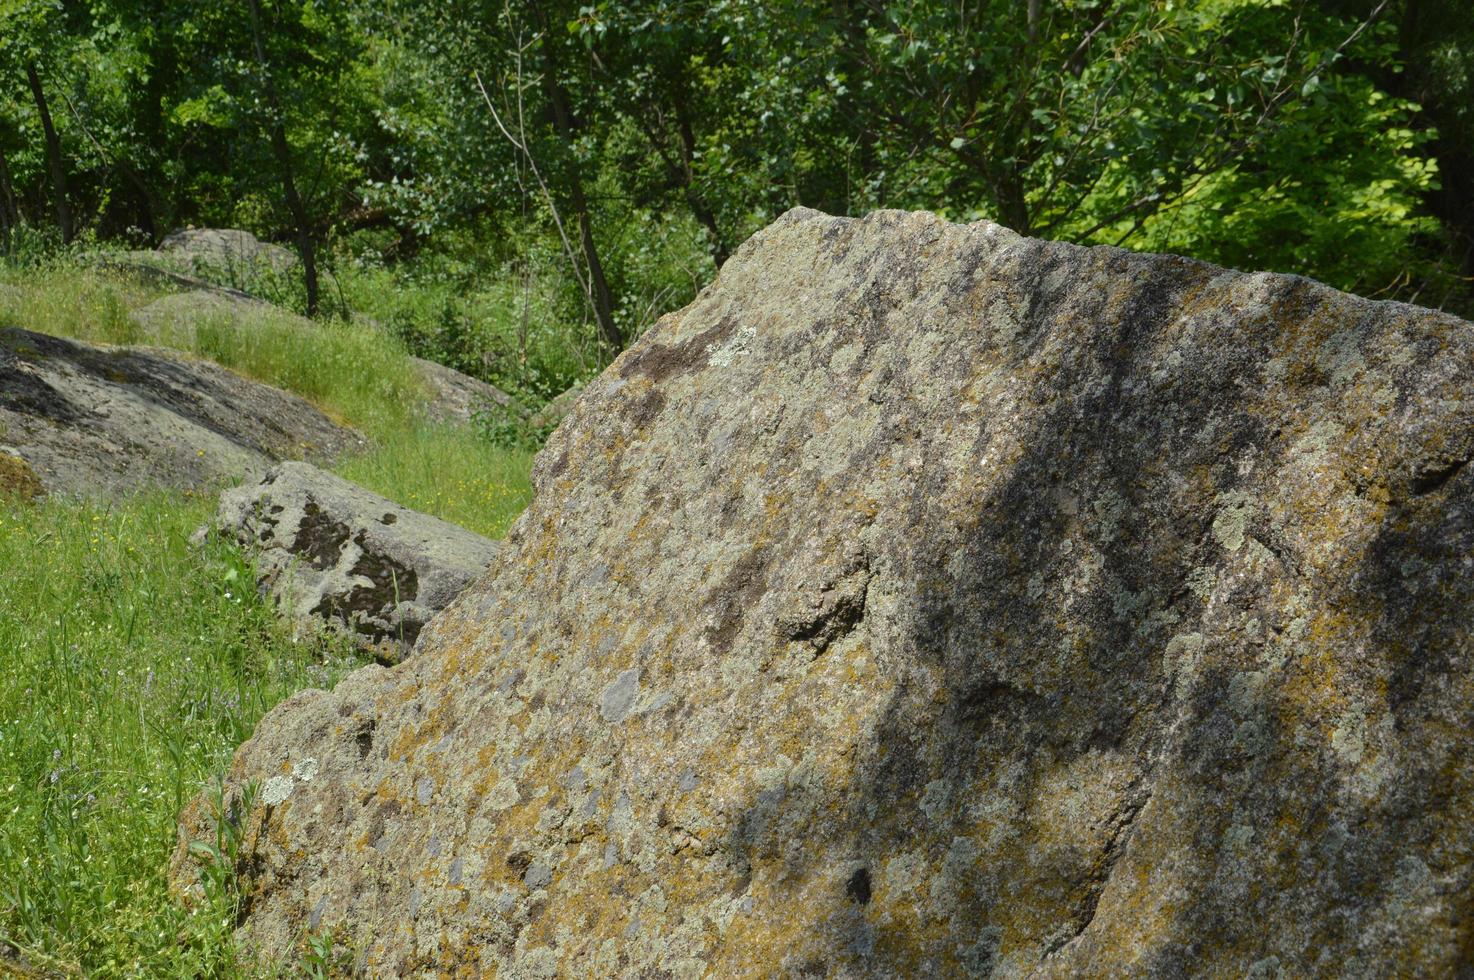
(926, 600)
(17, 480)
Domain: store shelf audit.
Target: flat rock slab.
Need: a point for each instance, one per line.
(97, 420)
(331, 551)
(924, 600)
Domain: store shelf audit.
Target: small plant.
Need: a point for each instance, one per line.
(220, 859)
(324, 956)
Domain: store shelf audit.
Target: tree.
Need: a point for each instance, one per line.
(53, 154)
(277, 128)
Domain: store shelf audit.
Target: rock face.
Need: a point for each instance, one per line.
(237, 254)
(458, 398)
(925, 600)
(329, 550)
(109, 420)
(186, 310)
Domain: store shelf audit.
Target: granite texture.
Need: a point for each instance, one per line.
(925, 600)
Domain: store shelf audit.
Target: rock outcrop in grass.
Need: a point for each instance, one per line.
(331, 552)
(450, 395)
(925, 600)
(104, 421)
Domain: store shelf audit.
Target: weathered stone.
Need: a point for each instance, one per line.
(332, 552)
(237, 255)
(924, 600)
(97, 420)
(457, 397)
(181, 314)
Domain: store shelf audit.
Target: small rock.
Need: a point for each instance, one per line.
(331, 551)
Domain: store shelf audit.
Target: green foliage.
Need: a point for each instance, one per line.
(1255, 132)
(451, 472)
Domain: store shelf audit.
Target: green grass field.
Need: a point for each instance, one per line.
(135, 662)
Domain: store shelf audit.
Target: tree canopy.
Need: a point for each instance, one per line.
(1326, 137)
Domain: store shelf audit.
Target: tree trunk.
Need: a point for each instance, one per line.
(53, 155)
(7, 203)
(1013, 207)
(697, 203)
(283, 154)
(568, 131)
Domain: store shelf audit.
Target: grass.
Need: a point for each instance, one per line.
(136, 663)
(356, 372)
(134, 667)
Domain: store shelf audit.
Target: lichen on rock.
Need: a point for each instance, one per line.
(332, 553)
(925, 600)
(17, 480)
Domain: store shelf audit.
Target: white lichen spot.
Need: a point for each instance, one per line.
(1004, 323)
(305, 770)
(903, 873)
(503, 794)
(1200, 581)
(1318, 441)
(845, 357)
(1183, 653)
(934, 798)
(1234, 511)
(1348, 739)
(1340, 358)
(726, 354)
(1110, 508)
(277, 789)
(1237, 838)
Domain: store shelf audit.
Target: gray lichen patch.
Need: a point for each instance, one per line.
(617, 699)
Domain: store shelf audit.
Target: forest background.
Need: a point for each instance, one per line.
(519, 189)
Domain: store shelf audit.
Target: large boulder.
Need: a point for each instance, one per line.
(331, 551)
(236, 255)
(97, 420)
(925, 600)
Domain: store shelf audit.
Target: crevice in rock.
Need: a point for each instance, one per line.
(1436, 476)
(835, 613)
(363, 739)
(988, 696)
(1121, 824)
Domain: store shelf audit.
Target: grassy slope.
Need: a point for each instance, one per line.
(355, 372)
(135, 664)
